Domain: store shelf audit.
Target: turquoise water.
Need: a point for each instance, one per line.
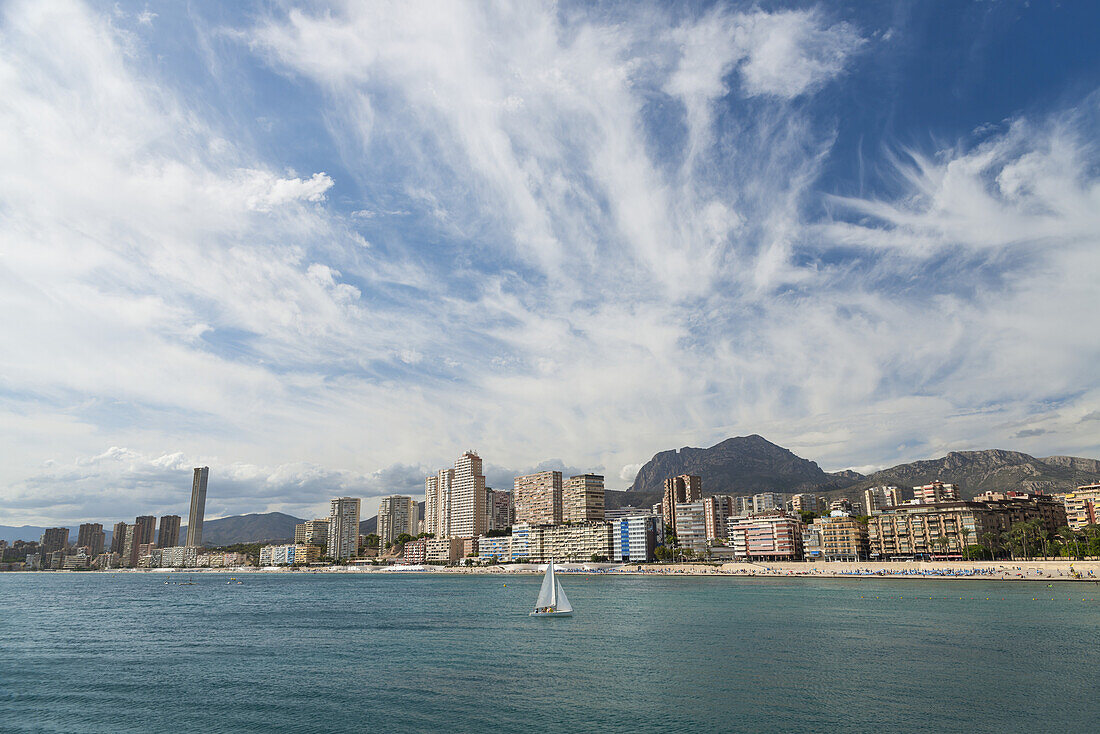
(321, 653)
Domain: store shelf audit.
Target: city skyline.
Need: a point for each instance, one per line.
(319, 251)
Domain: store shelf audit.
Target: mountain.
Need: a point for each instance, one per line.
(992, 469)
(740, 465)
(252, 528)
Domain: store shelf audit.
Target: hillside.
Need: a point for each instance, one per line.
(741, 465)
(254, 528)
(992, 469)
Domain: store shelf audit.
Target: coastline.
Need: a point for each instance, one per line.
(1076, 571)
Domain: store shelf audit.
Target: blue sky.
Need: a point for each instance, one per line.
(324, 249)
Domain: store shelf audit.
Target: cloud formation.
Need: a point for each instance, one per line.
(339, 239)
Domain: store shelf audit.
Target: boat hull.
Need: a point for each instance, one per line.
(550, 614)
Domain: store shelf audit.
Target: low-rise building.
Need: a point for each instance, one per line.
(497, 548)
(179, 556)
(469, 547)
(415, 551)
(521, 537)
(766, 537)
(577, 542)
(443, 550)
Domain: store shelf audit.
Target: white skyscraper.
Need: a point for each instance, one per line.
(437, 503)
(343, 528)
(397, 515)
(198, 506)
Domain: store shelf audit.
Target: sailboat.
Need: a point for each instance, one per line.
(552, 601)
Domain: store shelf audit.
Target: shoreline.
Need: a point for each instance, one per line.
(1075, 571)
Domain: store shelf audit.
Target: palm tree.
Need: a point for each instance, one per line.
(1068, 536)
(991, 544)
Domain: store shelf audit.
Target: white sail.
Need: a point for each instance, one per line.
(546, 593)
(562, 604)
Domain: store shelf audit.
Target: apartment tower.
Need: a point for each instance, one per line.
(678, 490)
(583, 498)
(198, 506)
(397, 515)
(169, 535)
(538, 498)
(343, 528)
(468, 517)
(91, 536)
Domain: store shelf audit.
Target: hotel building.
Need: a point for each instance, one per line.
(576, 543)
(679, 490)
(468, 515)
(198, 506)
(397, 515)
(583, 498)
(767, 537)
(343, 528)
(498, 548)
(538, 498)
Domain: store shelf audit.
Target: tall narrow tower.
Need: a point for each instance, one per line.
(198, 506)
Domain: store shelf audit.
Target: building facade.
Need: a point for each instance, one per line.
(443, 550)
(312, 532)
(577, 542)
(767, 502)
(935, 492)
(54, 539)
(945, 529)
(169, 533)
(879, 498)
(415, 551)
(538, 498)
(678, 490)
(1081, 506)
(766, 537)
(502, 511)
(397, 515)
(497, 548)
(467, 512)
(691, 526)
(198, 505)
(343, 528)
(716, 510)
(843, 538)
(583, 498)
(634, 538)
(90, 537)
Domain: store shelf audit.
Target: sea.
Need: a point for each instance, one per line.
(299, 652)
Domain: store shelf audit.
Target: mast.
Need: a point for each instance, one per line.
(553, 586)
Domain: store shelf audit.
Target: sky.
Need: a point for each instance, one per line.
(326, 248)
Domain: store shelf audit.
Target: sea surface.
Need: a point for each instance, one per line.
(362, 653)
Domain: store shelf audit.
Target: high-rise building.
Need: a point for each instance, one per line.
(343, 528)
(583, 498)
(691, 526)
(130, 547)
(715, 511)
(538, 498)
(118, 537)
(54, 539)
(437, 503)
(312, 532)
(198, 506)
(767, 502)
(91, 536)
(935, 492)
(468, 516)
(397, 515)
(684, 488)
(808, 503)
(502, 512)
(169, 535)
(146, 529)
(877, 498)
